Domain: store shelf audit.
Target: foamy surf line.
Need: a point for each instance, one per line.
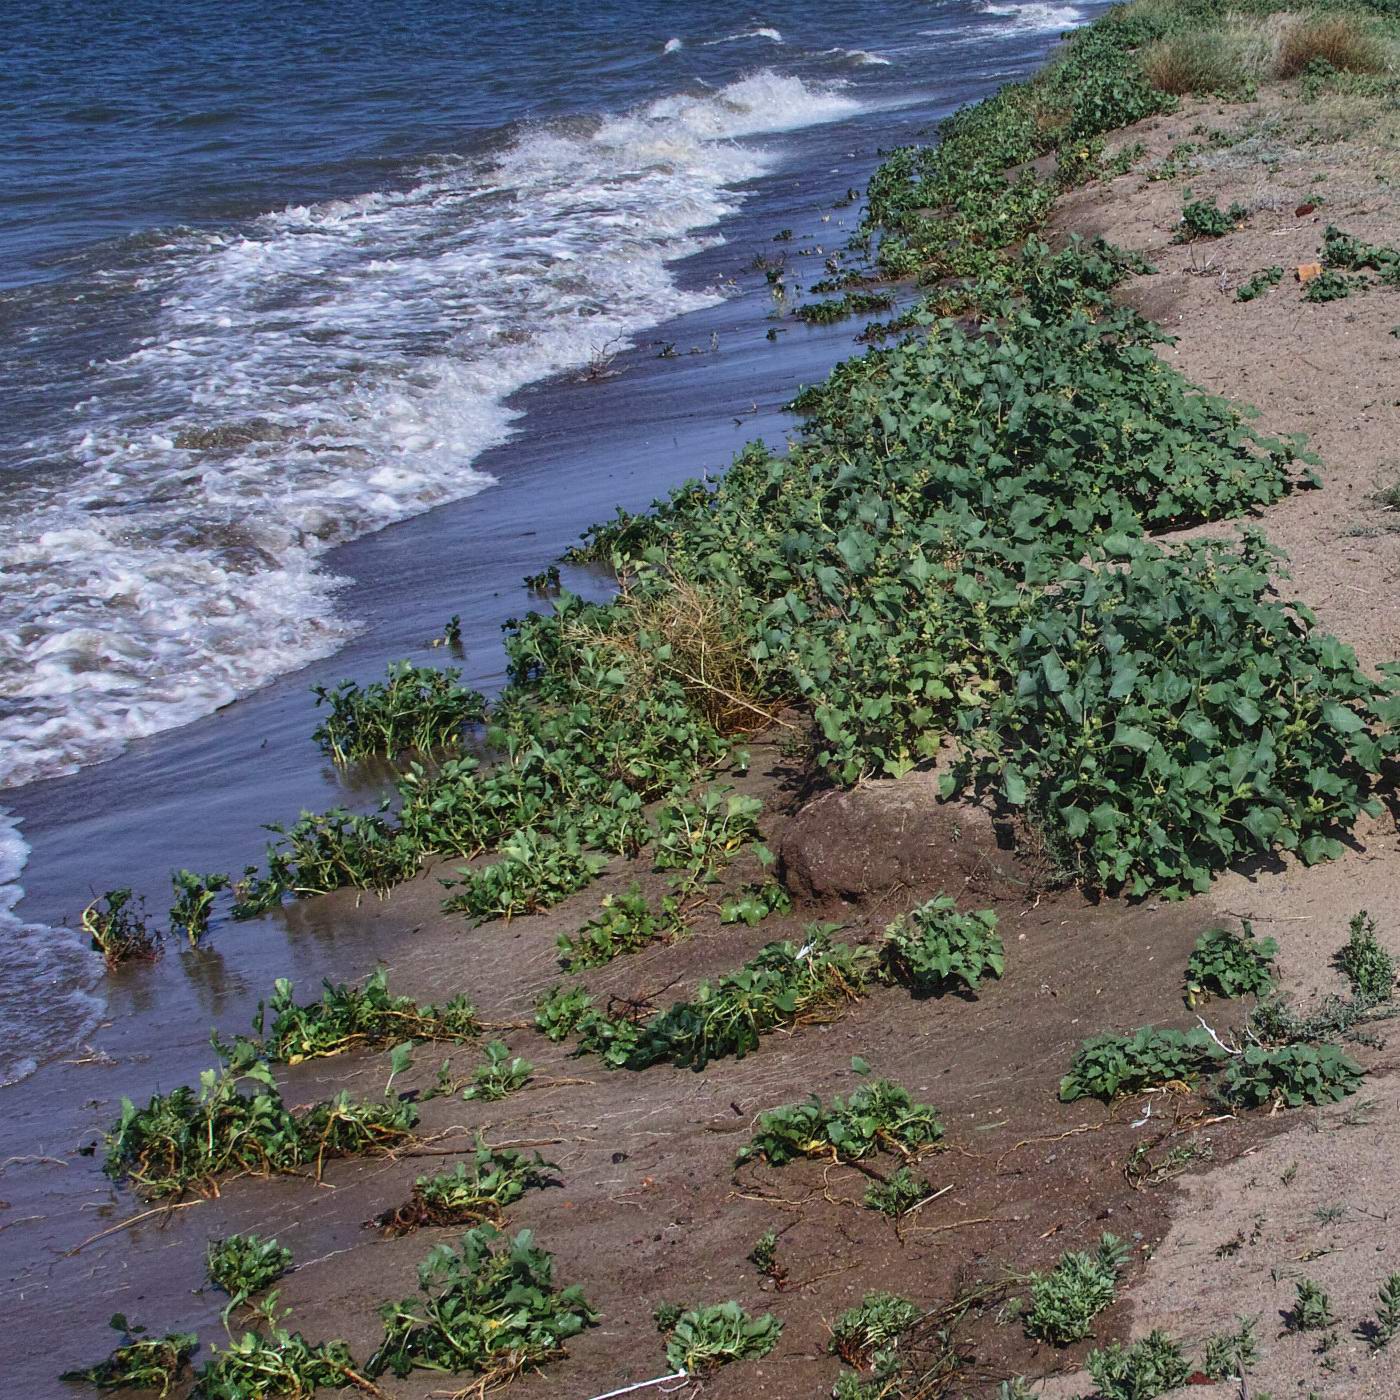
(319, 375)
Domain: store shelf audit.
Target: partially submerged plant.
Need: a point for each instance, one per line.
(194, 898)
(414, 707)
(703, 1339)
(1230, 965)
(119, 929)
(1065, 1301)
(140, 1362)
(878, 1115)
(482, 1308)
(472, 1192)
(243, 1265)
(500, 1074)
(934, 947)
(1109, 1065)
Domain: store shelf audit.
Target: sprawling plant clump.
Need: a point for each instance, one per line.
(934, 947)
(877, 1116)
(472, 1192)
(187, 1139)
(414, 707)
(347, 1018)
(140, 1362)
(1230, 964)
(491, 1310)
(1065, 1301)
(1109, 1065)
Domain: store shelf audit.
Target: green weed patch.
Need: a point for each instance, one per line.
(1064, 1302)
(702, 1339)
(1290, 1076)
(471, 1193)
(934, 947)
(414, 707)
(1108, 1066)
(1140, 1371)
(482, 1308)
(626, 924)
(242, 1265)
(188, 1139)
(275, 1363)
(879, 1116)
(1230, 964)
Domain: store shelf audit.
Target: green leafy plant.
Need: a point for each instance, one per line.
(347, 1018)
(560, 1011)
(625, 925)
(140, 1362)
(1141, 1371)
(119, 930)
(502, 1073)
(696, 836)
(1354, 254)
(935, 947)
(1259, 283)
(1387, 1322)
(764, 1257)
(703, 1339)
(414, 707)
(1290, 1076)
(1204, 218)
(1312, 1307)
(754, 903)
(1231, 1353)
(864, 1335)
(243, 1265)
(472, 1192)
(878, 1115)
(482, 1308)
(897, 1196)
(1230, 965)
(535, 872)
(188, 1139)
(1109, 1065)
(277, 1362)
(194, 898)
(825, 313)
(1064, 1302)
(1366, 965)
(1332, 286)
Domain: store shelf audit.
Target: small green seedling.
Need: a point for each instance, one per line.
(1231, 1353)
(899, 1195)
(501, 1074)
(1367, 966)
(863, 1336)
(243, 1265)
(1260, 283)
(1142, 1371)
(140, 1362)
(1065, 1301)
(703, 1339)
(1387, 1322)
(1230, 964)
(1312, 1308)
(764, 1257)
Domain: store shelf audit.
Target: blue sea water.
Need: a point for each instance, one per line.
(270, 275)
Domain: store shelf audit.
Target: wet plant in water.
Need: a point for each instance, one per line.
(1109, 1065)
(414, 707)
(346, 1018)
(701, 1340)
(472, 1192)
(879, 1115)
(1065, 1301)
(934, 947)
(500, 1074)
(243, 1265)
(1141, 1371)
(119, 929)
(140, 1362)
(489, 1305)
(194, 900)
(188, 1139)
(1230, 964)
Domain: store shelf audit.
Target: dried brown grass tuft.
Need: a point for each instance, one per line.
(1349, 45)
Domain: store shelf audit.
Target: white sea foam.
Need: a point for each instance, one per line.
(322, 373)
(773, 36)
(673, 46)
(47, 1003)
(1036, 18)
(863, 58)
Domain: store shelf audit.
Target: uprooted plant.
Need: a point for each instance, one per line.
(140, 1362)
(119, 929)
(243, 1265)
(700, 1340)
(472, 1192)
